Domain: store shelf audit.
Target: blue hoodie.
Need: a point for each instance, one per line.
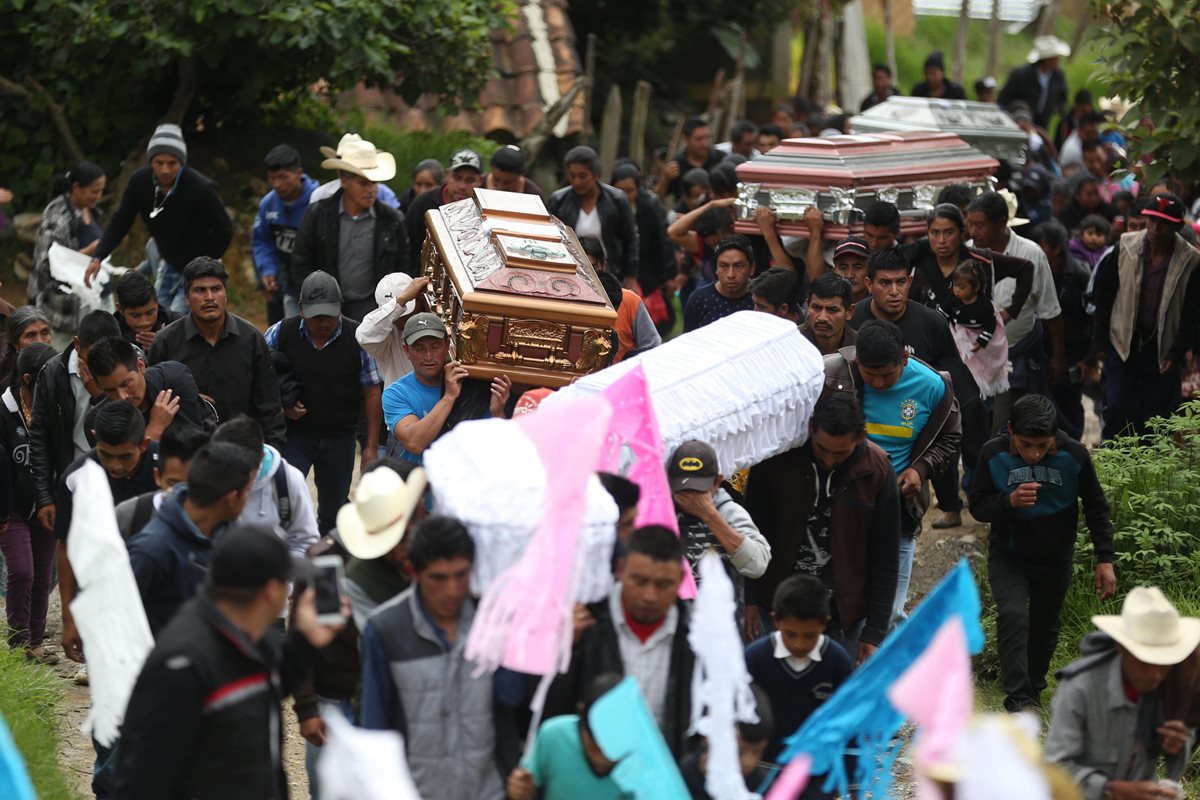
(275, 229)
(170, 558)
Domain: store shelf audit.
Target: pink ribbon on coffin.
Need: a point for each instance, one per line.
(633, 449)
(524, 619)
(792, 780)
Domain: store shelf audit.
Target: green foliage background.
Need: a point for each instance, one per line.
(115, 66)
(28, 699)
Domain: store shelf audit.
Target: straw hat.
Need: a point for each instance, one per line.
(374, 522)
(1048, 47)
(1011, 199)
(358, 156)
(1151, 629)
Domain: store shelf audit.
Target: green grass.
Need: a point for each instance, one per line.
(29, 697)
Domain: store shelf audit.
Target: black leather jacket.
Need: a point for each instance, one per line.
(50, 434)
(618, 229)
(317, 242)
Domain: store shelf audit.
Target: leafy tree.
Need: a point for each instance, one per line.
(1151, 50)
(93, 77)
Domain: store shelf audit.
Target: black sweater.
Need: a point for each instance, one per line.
(1044, 532)
(192, 223)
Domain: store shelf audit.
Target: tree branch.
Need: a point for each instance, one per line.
(185, 91)
(31, 88)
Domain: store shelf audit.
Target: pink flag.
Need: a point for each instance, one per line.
(792, 780)
(634, 450)
(524, 619)
(937, 693)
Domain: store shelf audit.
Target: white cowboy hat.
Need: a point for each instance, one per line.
(355, 154)
(1011, 199)
(1048, 47)
(374, 522)
(1151, 629)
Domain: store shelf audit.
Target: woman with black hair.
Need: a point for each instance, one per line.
(28, 548)
(71, 220)
(656, 253)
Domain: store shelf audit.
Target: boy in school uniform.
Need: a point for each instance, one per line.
(797, 666)
(1028, 485)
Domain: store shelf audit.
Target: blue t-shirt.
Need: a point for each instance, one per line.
(408, 396)
(896, 416)
(559, 767)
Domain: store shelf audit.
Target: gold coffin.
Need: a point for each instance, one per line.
(516, 291)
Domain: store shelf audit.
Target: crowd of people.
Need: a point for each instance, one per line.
(955, 361)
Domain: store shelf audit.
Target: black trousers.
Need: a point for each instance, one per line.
(1029, 599)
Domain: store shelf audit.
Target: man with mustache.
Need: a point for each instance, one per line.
(830, 308)
(349, 235)
(226, 354)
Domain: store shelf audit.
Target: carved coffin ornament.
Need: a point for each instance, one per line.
(516, 290)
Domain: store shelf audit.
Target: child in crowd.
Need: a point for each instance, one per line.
(1092, 242)
(797, 666)
(1029, 484)
(977, 331)
(565, 761)
(752, 739)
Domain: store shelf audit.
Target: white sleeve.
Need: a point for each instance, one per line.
(377, 327)
(1044, 295)
(302, 532)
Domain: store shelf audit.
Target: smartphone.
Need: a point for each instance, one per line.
(327, 585)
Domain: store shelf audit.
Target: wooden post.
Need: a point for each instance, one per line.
(960, 43)
(821, 75)
(589, 75)
(993, 39)
(610, 132)
(714, 94)
(737, 94)
(532, 144)
(737, 109)
(808, 63)
(637, 123)
(890, 38)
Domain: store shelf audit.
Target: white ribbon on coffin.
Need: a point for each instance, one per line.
(69, 266)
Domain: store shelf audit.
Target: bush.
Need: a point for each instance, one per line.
(1153, 486)
(29, 698)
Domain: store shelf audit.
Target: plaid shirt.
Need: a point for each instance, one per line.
(368, 373)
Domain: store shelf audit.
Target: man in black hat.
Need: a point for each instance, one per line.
(463, 174)
(709, 517)
(1146, 318)
(338, 380)
(222, 671)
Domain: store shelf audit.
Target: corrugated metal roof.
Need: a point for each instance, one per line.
(1010, 10)
(536, 64)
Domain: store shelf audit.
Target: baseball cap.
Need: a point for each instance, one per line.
(393, 285)
(1164, 206)
(465, 158)
(424, 324)
(246, 557)
(320, 296)
(851, 246)
(985, 84)
(693, 467)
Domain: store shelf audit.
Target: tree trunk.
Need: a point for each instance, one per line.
(589, 74)
(186, 85)
(821, 77)
(1049, 17)
(960, 43)
(1085, 21)
(993, 39)
(839, 62)
(29, 89)
(890, 38)
(808, 64)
